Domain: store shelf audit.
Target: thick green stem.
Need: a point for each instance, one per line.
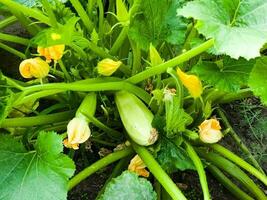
(171, 63)
(234, 171)
(238, 141)
(136, 58)
(100, 18)
(103, 127)
(238, 193)
(112, 86)
(83, 15)
(119, 41)
(158, 172)
(50, 13)
(64, 70)
(15, 39)
(200, 170)
(14, 6)
(13, 51)
(99, 165)
(239, 161)
(228, 98)
(7, 21)
(38, 120)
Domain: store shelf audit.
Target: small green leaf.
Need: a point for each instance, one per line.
(35, 175)
(176, 118)
(129, 186)
(238, 26)
(173, 158)
(228, 75)
(258, 79)
(156, 22)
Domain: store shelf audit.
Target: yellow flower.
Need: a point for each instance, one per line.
(78, 132)
(191, 82)
(52, 53)
(34, 67)
(108, 66)
(138, 166)
(210, 131)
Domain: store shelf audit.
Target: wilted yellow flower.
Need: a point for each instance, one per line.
(210, 131)
(107, 67)
(34, 67)
(138, 166)
(78, 132)
(191, 82)
(52, 53)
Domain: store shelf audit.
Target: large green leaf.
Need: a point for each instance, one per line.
(228, 75)
(34, 3)
(238, 26)
(156, 22)
(258, 79)
(172, 157)
(176, 118)
(129, 186)
(41, 174)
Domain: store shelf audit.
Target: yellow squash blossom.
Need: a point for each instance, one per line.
(210, 131)
(107, 67)
(138, 166)
(78, 132)
(34, 68)
(191, 82)
(52, 53)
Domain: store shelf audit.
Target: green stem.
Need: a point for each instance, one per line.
(14, 6)
(119, 41)
(50, 13)
(83, 15)
(171, 63)
(103, 127)
(15, 39)
(228, 98)
(99, 165)
(7, 21)
(13, 51)
(38, 120)
(179, 86)
(121, 85)
(158, 172)
(234, 171)
(200, 170)
(100, 18)
(239, 161)
(64, 70)
(136, 58)
(93, 139)
(116, 172)
(238, 141)
(238, 193)
(36, 95)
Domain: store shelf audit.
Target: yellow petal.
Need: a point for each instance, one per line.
(52, 53)
(138, 166)
(191, 82)
(108, 66)
(34, 67)
(210, 131)
(68, 145)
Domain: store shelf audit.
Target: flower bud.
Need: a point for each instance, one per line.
(78, 132)
(138, 166)
(210, 131)
(108, 66)
(191, 82)
(52, 53)
(34, 67)
(154, 56)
